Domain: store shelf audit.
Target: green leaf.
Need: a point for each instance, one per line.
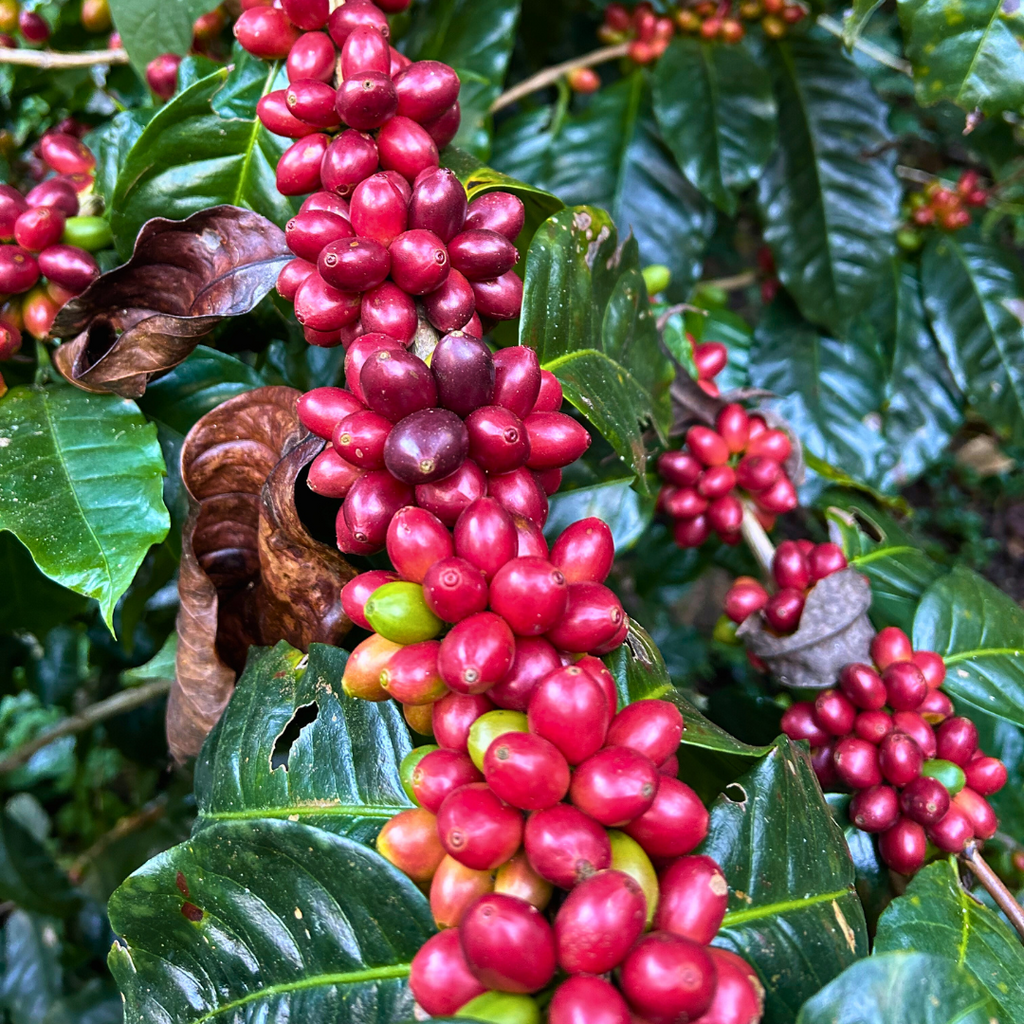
(610, 155)
(270, 920)
(149, 28)
(970, 54)
(716, 112)
(828, 197)
(193, 388)
(160, 666)
(81, 487)
(972, 296)
(32, 977)
(832, 388)
(204, 148)
(936, 916)
(627, 512)
(111, 142)
(856, 21)
(29, 876)
(909, 988)
(29, 600)
(873, 885)
(979, 631)
(340, 772)
(793, 911)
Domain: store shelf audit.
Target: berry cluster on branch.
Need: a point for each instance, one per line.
(942, 207)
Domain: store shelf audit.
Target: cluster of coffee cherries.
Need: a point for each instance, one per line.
(207, 32)
(470, 425)
(17, 25)
(649, 32)
(796, 567)
(536, 835)
(941, 206)
(889, 735)
(709, 357)
(708, 479)
(46, 258)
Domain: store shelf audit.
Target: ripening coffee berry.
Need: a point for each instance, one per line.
(745, 597)
(69, 267)
(497, 211)
(890, 645)
(526, 771)
(486, 536)
(516, 878)
(535, 659)
(364, 666)
(517, 379)
(650, 727)
(834, 712)
(477, 829)
(439, 773)
(903, 847)
(372, 503)
(863, 686)
(856, 762)
(351, 15)
(783, 609)
(454, 889)
(411, 676)
(555, 440)
(464, 372)
(397, 611)
(798, 723)
(320, 409)
(708, 446)
(449, 497)
(614, 786)
(790, 566)
(476, 653)
(360, 438)
(357, 591)
(312, 56)
(875, 809)
(565, 846)
(584, 551)
(39, 227)
(454, 715)
(265, 32)
(667, 978)
(757, 472)
(739, 994)
(932, 666)
(410, 842)
(953, 831)
(674, 824)
(438, 204)
(925, 800)
(911, 723)
(498, 441)
(593, 615)
(520, 493)
(905, 685)
(454, 589)
(985, 775)
(396, 384)
(66, 154)
(321, 307)
(979, 813)
(439, 977)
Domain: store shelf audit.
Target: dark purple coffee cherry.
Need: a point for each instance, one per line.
(354, 264)
(464, 371)
(350, 158)
(368, 101)
(426, 89)
(397, 384)
(500, 299)
(497, 211)
(425, 446)
(438, 203)
(450, 307)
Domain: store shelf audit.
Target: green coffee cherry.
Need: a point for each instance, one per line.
(487, 728)
(725, 631)
(628, 856)
(949, 774)
(657, 277)
(408, 766)
(502, 1008)
(398, 613)
(89, 233)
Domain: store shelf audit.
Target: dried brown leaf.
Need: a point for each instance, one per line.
(250, 571)
(184, 277)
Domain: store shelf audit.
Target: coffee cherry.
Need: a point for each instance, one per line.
(694, 897)
(985, 775)
(476, 653)
(360, 439)
(824, 766)
(69, 267)
(508, 944)
(398, 611)
(348, 160)
(650, 727)
(322, 307)
(596, 669)
(378, 209)
(526, 771)
(873, 726)
(584, 551)
(410, 842)
(450, 307)
(464, 372)
(679, 468)
(856, 762)
(953, 831)
(876, 809)
(438, 203)
(370, 505)
(485, 536)
(534, 660)
(825, 560)
(39, 227)
(500, 298)
(936, 707)
(291, 277)
(298, 169)
(583, 999)
(530, 594)
(757, 472)
(615, 785)
(38, 311)
(425, 446)
(979, 813)
(312, 56)
(593, 615)
(517, 379)
(411, 676)
(790, 566)
(358, 590)
(439, 977)
(555, 440)
(530, 542)
(565, 846)
(364, 666)
(863, 686)
(498, 441)
(674, 823)
(570, 709)
(454, 715)
(13, 204)
(308, 233)
(905, 685)
(780, 497)
(388, 310)
(450, 497)
(426, 89)
(312, 101)
(911, 723)
(366, 101)
(454, 889)
(708, 446)
(932, 667)
(739, 994)
(716, 481)
(351, 15)
(359, 351)
(956, 740)
(419, 261)
(834, 713)
(890, 645)
(783, 610)
(440, 772)
(925, 800)
(320, 409)
(724, 515)
(667, 978)
(516, 878)
(306, 14)
(745, 597)
(364, 50)
(798, 723)
(903, 847)
(477, 829)
(520, 493)
(454, 589)
(497, 211)
(265, 32)
(406, 147)
(396, 384)
(482, 255)
(272, 110)
(733, 424)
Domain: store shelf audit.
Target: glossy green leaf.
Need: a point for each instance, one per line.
(32, 977)
(716, 112)
(856, 20)
(149, 28)
(627, 512)
(111, 143)
(936, 916)
(969, 54)
(269, 920)
(908, 988)
(610, 155)
(160, 666)
(831, 390)
(971, 294)
(204, 148)
(829, 196)
(81, 487)
(29, 877)
(29, 600)
(291, 745)
(979, 631)
(793, 910)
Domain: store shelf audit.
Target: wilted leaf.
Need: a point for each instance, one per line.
(250, 571)
(183, 278)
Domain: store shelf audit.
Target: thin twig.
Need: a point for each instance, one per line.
(872, 50)
(993, 884)
(47, 59)
(551, 75)
(913, 174)
(152, 812)
(757, 540)
(729, 284)
(126, 700)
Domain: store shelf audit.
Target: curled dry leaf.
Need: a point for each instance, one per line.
(834, 631)
(250, 571)
(184, 277)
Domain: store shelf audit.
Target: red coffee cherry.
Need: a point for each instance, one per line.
(497, 211)
(364, 50)
(825, 560)
(486, 536)
(711, 357)
(526, 771)
(265, 32)
(570, 709)
(716, 481)
(498, 441)
(291, 277)
(693, 899)
(454, 714)
(500, 298)
(426, 89)
(566, 846)
(584, 551)
(517, 378)
(520, 493)
(757, 472)
(911, 723)
(69, 267)
(856, 762)
(834, 713)
(308, 233)
(745, 597)
(733, 425)
(354, 264)
(306, 14)
(162, 75)
(925, 800)
(614, 786)
(598, 923)
(932, 666)
(956, 740)
(476, 653)
(667, 978)
(348, 160)
(410, 842)
(312, 56)
(378, 209)
(724, 515)
(406, 147)
(739, 994)
(508, 944)
(321, 409)
(953, 831)
(783, 610)
(440, 978)
(438, 203)
(674, 823)
(530, 594)
(450, 307)
(890, 645)
(274, 115)
(330, 475)
(351, 15)
(33, 27)
(298, 169)
(386, 309)
(482, 255)
(903, 847)
(708, 446)
(396, 384)
(790, 566)
(477, 829)
(411, 676)
(985, 775)
(876, 809)
(905, 685)
(685, 503)
(454, 889)
(650, 727)
(900, 758)
(450, 497)
(359, 351)
(979, 813)
(679, 468)
(824, 766)
(555, 440)
(439, 773)
(416, 541)
(419, 261)
(863, 686)
(798, 723)
(529, 538)
(366, 101)
(584, 999)
(454, 589)
(780, 497)
(534, 659)
(323, 308)
(936, 707)
(39, 227)
(593, 615)
(357, 591)
(372, 503)
(312, 101)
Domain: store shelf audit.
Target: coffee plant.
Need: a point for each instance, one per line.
(511, 511)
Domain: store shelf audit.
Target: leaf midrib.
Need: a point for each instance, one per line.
(996, 8)
(736, 917)
(306, 810)
(243, 173)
